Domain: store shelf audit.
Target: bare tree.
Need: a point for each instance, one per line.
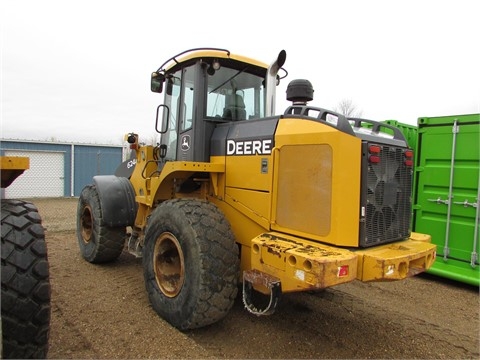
(347, 108)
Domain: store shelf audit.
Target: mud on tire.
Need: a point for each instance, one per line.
(191, 263)
(25, 282)
(98, 242)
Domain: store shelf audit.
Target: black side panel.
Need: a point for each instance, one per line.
(249, 130)
(218, 141)
(117, 200)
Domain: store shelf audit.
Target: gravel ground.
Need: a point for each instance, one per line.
(102, 312)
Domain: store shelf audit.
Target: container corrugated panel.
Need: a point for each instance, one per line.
(446, 193)
(409, 131)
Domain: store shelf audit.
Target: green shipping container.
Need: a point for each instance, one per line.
(446, 193)
(409, 131)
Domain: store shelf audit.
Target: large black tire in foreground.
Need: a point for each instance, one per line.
(98, 242)
(191, 263)
(25, 282)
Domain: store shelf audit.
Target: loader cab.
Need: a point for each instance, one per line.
(201, 90)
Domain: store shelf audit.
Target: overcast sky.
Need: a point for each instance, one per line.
(80, 70)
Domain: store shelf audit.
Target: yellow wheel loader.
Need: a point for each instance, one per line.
(25, 324)
(234, 197)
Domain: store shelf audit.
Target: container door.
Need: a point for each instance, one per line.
(446, 204)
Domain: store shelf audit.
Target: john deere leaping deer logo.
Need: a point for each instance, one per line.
(185, 142)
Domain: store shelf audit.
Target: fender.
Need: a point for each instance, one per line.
(117, 200)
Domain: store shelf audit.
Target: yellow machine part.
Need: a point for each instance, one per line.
(396, 261)
(274, 202)
(316, 189)
(301, 188)
(11, 167)
(301, 264)
(305, 265)
(152, 186)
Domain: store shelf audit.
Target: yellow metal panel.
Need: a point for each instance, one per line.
(218, 178)
(395, 261)
(14, 163)
(12, 167)
(304, 195)
(143, 169)
(246, 172)
(420, 237)
(337, 197)
(300, 264)
(150, 184)
(243, 227)
(254, 204)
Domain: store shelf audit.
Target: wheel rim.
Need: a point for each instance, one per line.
(168, 264)
(87, 224)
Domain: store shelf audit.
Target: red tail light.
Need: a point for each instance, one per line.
(374, 159)
(342, 271)
(408, 158)
(374, 151)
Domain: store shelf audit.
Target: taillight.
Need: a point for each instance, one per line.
(408, 161)
(342, 271)
(374, 159)
(374, 151)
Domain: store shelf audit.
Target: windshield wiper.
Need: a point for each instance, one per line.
(229, 79)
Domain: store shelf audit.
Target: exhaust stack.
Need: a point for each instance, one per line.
(271, 82)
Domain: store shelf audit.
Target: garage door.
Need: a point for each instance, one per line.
(45, 178)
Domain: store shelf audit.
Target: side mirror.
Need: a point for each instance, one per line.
(170, 86)
(157, 80)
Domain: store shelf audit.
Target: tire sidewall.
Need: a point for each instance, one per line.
(106, 243)
(88, 198)
(176, 310)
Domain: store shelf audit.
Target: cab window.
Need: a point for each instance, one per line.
(234, 95)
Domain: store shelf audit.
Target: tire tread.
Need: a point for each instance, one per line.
(26, 288)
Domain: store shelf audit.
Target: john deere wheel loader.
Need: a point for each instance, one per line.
(25, 322)
(236, 197)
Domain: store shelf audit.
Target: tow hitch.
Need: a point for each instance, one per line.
(254, 278)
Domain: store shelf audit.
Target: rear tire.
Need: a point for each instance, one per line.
(98, 242)
(191, 263)
(25, 282)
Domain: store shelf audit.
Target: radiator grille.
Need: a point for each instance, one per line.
(387, 197)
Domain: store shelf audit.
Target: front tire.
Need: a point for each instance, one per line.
(191, 263)
(25, 282)
(98, 242)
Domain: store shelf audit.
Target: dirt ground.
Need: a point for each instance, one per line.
(102, 312)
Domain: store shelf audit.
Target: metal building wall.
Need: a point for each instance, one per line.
(81, 161)
(92, 160)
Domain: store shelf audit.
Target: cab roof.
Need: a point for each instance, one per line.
(198, 53)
